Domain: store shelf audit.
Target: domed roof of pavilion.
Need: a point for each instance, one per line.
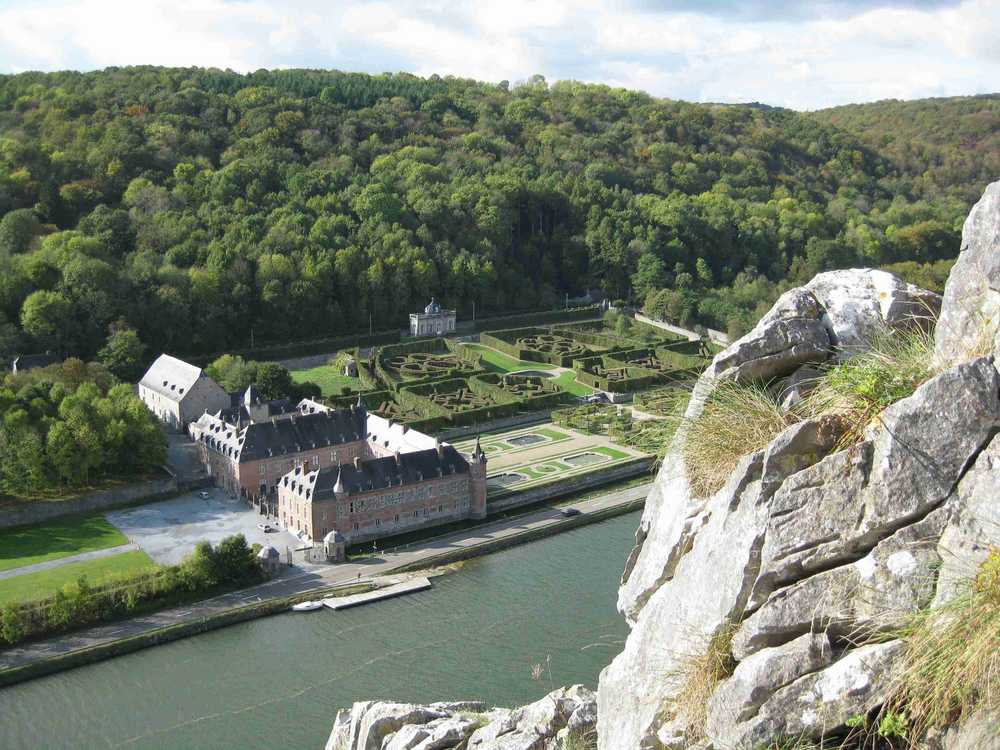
(433, 308)
(334, 537)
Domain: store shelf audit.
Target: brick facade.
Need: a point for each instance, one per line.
(320, 470)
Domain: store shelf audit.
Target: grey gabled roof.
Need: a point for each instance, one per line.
(302, 433)
(377, 473)
(171, 377)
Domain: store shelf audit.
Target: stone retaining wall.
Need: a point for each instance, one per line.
(571, 486)
(46, 510)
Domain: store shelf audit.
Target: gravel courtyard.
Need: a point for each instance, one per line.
(169, 530)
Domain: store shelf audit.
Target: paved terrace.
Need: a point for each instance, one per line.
(299, 581)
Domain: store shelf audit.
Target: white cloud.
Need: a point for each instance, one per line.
(857, 51)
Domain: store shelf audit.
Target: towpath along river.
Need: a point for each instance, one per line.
(299, 581)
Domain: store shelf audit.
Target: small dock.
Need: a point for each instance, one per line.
(399, 589)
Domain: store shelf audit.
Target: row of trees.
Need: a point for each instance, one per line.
(232, 563)
(272, 380)
(69, 426)
(204, 209)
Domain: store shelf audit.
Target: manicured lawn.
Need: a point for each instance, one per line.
(500, 362)
(612, 453)
(327, 378)
(567, 381)
(48, 541)
(46, 582)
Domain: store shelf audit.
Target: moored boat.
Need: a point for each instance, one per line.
(307, 606)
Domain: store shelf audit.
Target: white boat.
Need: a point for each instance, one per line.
(307, 606)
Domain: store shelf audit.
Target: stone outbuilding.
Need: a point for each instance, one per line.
(270, 559)
(178, 393)
(433, 321)
(335, 547)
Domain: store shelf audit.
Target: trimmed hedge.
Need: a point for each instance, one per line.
(507, 342)
(466, 365)
(435, 417)
(551, 396)
(637, 375)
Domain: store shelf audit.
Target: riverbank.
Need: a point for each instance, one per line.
(101, 642)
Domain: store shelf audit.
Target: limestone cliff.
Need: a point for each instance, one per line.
(808, 559)
(806, 545)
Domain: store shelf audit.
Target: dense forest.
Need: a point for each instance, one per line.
(188, 210)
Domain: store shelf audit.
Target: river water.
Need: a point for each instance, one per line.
(278, 681)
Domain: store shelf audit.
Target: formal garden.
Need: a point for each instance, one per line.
(537, 345)
(631, 370)
(650, 436)
(437, 383)
(422, 360)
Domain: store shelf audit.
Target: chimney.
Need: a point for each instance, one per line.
(357, 463)
(406, 428)
(399, 459)
(440, 448)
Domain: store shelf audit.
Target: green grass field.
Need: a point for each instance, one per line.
(500, 362)
(46, 582)
(567, 381)
(49, 541)
(327, 378)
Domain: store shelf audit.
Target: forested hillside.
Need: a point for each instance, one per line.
(195, 206)
(940, 146)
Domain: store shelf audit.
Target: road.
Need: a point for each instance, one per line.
(300, 581)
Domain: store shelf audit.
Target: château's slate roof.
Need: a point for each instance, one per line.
(238, 411)
(281, 437)
(171, 377)
(378, 474)
(301, 433)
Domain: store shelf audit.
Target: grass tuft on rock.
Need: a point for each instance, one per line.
(737, 419)
(699, 675)
(580, 741)
(891, 366)
(951, 667)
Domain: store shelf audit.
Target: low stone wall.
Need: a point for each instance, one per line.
(46, 510)
(495, 545)
(571, 486)
(717, 337)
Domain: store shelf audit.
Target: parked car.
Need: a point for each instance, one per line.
(597, 398)
(569, 512)
(266, 527)
(204, 495)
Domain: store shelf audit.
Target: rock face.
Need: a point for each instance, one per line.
(557, 721)
(808, 552)
(970, 316)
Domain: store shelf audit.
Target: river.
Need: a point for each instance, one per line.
(278, 681)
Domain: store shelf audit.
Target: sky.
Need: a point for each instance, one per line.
(803, 55)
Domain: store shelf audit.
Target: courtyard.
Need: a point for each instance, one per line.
(169, 530)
